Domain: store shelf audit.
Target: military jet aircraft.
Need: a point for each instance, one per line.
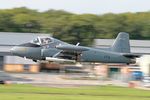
(54, 50)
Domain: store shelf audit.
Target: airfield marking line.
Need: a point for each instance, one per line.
(80, 94)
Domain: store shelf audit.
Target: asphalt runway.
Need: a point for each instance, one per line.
(54, 79)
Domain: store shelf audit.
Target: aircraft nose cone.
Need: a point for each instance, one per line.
(19, 51)
(13, 50)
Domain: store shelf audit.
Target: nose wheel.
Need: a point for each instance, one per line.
(78, 57)
(35, 60)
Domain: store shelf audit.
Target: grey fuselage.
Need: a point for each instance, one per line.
(40, 52)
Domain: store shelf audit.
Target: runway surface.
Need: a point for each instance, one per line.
(54, 79)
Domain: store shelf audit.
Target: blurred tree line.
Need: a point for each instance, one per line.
(75, 28)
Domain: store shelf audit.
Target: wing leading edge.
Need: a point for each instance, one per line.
(72, 48)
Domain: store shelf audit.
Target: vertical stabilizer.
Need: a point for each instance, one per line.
(121, 43)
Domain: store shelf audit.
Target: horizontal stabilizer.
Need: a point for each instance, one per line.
(131, 55)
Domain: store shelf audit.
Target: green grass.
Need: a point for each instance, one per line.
(29, 92)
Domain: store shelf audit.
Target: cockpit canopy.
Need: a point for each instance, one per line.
(42, 40)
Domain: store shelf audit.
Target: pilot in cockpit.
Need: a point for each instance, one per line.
(42, 41)
(45, 41)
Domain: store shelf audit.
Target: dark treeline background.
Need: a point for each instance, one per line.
(75, 28)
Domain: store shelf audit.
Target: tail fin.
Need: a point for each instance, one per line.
(121, 43)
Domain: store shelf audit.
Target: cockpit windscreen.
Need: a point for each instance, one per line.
(42, 40)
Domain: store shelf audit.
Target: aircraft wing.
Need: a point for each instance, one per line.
(70, 52)
(71, 48)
